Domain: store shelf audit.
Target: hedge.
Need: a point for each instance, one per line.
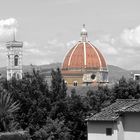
(18, 135)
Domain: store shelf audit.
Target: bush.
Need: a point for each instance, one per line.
(20, 135)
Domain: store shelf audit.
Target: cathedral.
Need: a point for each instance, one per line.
(84, 64)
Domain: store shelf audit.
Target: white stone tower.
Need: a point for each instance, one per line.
(14, 56)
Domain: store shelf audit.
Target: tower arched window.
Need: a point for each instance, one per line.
(17, 76)
(16, 60)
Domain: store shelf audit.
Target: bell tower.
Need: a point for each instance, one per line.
(14, 59)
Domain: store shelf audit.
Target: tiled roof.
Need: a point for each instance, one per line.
(131, 108)
(111, 113)
(84, 55)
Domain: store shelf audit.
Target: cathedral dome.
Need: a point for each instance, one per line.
(84, 64)
(84, 55)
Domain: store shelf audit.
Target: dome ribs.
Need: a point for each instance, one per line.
(71, 55)
(84, 55)
(77, 59)
(102, 59)
(66, 58)
(92, 61)
(98, 57)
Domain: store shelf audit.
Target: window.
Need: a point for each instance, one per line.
(75, 83)
(17, 76)
(16, 60)
(137, 77)
(93, 76)
(108, 131)
(14, 74)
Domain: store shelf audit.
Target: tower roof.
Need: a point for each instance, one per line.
(14, 43)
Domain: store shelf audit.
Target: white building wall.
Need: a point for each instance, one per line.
(132, 126)
(97, 130)
(120, 128)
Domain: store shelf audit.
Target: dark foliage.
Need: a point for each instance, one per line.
(125, 89)
(18, 135)
(32, 94)
(58, 87)
(7, 109)
(99, 98)
(50, 114)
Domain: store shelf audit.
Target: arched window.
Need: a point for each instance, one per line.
(17, 76)
(16, 60)
(75, 83)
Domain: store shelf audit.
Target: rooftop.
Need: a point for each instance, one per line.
(112, 112)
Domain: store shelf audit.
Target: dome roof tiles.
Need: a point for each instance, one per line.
(84, 55)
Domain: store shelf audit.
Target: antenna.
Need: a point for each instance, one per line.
(14, 34)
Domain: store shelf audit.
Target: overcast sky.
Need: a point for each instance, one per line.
(49, 28)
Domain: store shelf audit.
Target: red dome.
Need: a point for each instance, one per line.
(83, 61)
(84, 55)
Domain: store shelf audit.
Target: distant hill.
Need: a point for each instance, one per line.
(115, 73)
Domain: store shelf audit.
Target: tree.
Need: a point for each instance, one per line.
(33, 95)
(99, 98)
(58, 86)
(7, 108)
(77, 110)
(53, 130)
(125, 89)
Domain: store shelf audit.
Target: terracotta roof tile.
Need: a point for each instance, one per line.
(84, 55)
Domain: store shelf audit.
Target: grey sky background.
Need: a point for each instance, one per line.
(49, 28)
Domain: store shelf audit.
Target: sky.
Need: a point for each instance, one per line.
(49, 28)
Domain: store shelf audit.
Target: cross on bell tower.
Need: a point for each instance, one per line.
(14, 56)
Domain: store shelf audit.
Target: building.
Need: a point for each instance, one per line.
(14, 58)
(119, 121)
(84, 64)
(136, 77)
